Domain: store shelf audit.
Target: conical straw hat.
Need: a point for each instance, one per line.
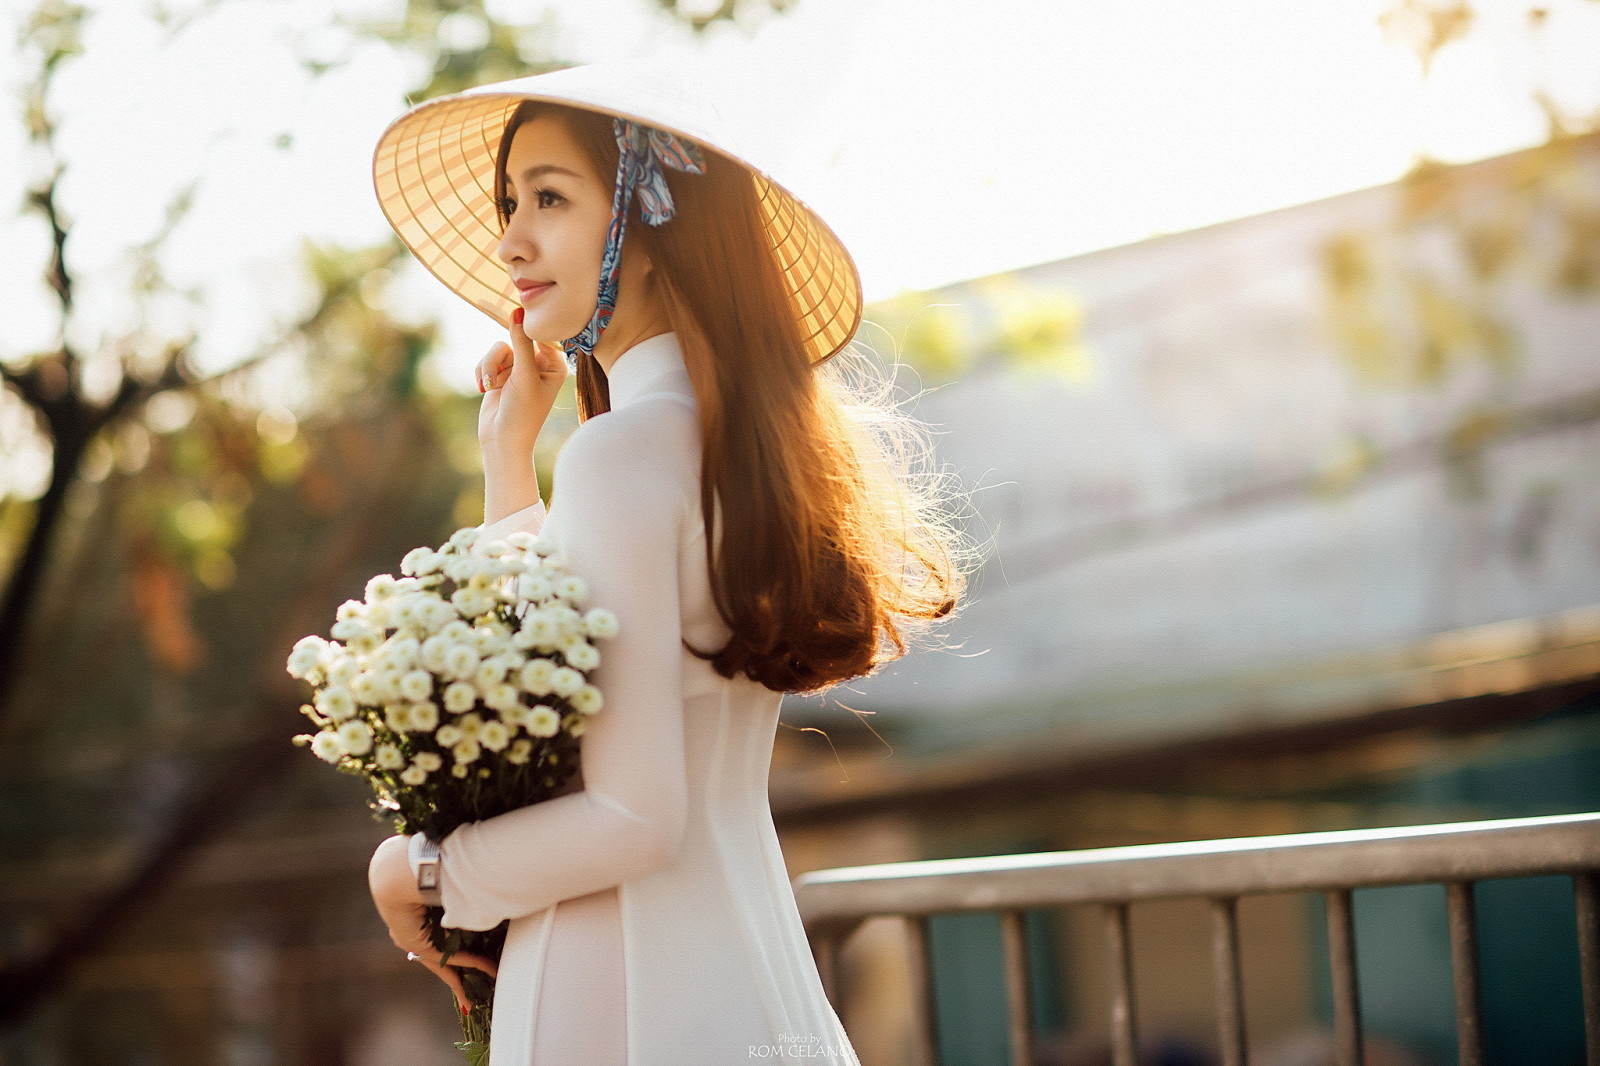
(434, 173)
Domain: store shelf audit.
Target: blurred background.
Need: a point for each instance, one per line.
(1265, 337)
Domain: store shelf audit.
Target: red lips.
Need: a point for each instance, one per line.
(527, 289)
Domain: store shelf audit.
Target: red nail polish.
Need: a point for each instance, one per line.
(516, 316)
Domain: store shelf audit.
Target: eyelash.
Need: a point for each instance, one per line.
(508, 206)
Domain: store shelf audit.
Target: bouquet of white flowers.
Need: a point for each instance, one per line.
(459, 691)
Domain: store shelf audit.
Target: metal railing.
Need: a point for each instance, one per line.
(833, 904)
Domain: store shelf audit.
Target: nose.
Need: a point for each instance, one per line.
(514, 243)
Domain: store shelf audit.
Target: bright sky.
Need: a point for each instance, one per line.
(943, 139)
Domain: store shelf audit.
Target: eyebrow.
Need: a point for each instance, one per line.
(548, 168)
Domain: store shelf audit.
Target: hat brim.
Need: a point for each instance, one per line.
(434, 167)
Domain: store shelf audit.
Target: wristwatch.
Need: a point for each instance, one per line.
(428, 873)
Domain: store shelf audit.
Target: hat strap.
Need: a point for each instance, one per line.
(644, 150)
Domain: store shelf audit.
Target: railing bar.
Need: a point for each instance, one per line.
(1013, 939)
(1586, 893)
(1119, 949)
(1342, 963)
(1229, 984)
(924, 1033)
(1464, 971)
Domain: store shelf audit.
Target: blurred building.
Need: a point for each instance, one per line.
(1297, 528)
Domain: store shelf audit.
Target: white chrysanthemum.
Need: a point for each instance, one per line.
(501, 697)
(576, 724)
(573, 589)
(494, 736)
(456, 631)
(325, 746)
(464, 537)
(343, 668)
(521, 540)
(491, 671)
(458, 770)
(347, 628)
(542, 628)
(398, 717)
(401, 651)
(543, 721)
(303, 662)
(469, 724)
(356, 737)
(472, 602)
(403, 614)
(412, 563)
(388, 757)
(536, 677)
(534, 588)
(368, 688)
(520, 751)
(350, 611)
(569, 623)
(416, 685)
(600, 624)
(581, 656)
(336, 702)
(447, 734)
(428, 760)
(436, 614)
(465, 751)
(424, 716)
(565, 681)
(461, 662)
(495, 548)
(514, 715)
(545, 543)
(587, 700)
(414, 775)
(459, 696)
(491, 639)
(434, 651)
(380, 587)
(366, 643)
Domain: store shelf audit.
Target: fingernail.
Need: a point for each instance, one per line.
(516, 316)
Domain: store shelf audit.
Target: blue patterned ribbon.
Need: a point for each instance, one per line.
(644, 151)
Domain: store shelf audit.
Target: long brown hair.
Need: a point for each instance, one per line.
(835, 544)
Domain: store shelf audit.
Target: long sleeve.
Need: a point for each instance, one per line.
(530, 519)
(623, 492)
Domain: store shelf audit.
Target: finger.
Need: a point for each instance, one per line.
(523, 348)
(477, 962)
(453, 979)
(494, 368)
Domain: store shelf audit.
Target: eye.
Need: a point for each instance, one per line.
(506, 206)
(548, 197)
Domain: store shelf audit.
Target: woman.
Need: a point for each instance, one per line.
(753, 524)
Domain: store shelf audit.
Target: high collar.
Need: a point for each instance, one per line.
(654, 364)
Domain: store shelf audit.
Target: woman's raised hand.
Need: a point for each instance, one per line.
(519, 381)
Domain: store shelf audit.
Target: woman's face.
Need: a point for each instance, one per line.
(555, 239)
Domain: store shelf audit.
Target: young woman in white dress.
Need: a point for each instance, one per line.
(754, 524)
